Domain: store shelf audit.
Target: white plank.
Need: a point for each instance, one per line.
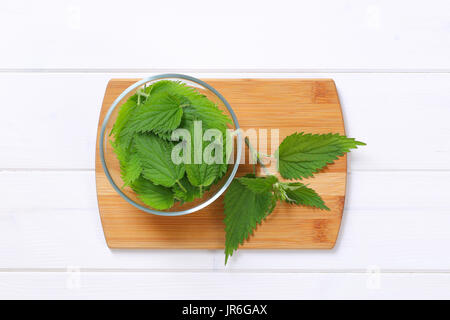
(188, 285)
(393, 220)
(203, 34)
(51, 220)
(74, 238)
(402, 117)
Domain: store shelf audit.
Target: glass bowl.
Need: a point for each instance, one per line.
(111, 164)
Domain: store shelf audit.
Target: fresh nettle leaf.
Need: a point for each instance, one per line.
(210, 117)
(300, 155)
(298, 193)
(259, 184)
(132, 170)
(181, 89)
(130, 165)
(188, 193)
(165, 135)
(153, 195)
(161, 113)
(199, 172)
(175, 87)
(244, 209)
(121, 153)
(201, 108)
(202, 175)
(155, 155)
(125, 113)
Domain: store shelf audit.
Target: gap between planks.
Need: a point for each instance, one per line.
(211, 270)
(225, 71)
(349, 171)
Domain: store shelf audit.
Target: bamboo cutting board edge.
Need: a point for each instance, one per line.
(115, 238)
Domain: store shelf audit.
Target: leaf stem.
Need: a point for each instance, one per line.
(141, 93)
(258, 158)
(181, 186)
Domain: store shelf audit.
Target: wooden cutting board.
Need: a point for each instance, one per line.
(292, 105)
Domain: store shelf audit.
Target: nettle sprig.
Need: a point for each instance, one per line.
(250, 199)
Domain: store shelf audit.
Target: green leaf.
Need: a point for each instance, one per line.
(201, 108)
(121, 153)
(223, 169)
(123, 130)
(155, 155)
(211, 117)
(130, 165)
(259, 184)
(300, 194)
(161, 113)
(155, 196)
(175, 87)
(226, 157)
(132, 170)
(178, 88)
(165, 135)
(189, 194)
(300, 155)
(126, 135)
(200, 174)
(244, 209)
(125, 112)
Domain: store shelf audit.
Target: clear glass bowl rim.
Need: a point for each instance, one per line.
(238, 147)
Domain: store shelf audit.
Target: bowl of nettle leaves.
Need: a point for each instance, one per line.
(142, 128)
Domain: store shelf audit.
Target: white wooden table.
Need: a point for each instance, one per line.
(391, 64)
